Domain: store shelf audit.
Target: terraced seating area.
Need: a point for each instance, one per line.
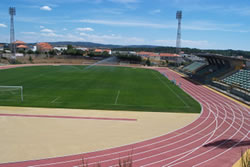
(240, 78)
(194, 66)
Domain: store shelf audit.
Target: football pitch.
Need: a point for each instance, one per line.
(97, 87)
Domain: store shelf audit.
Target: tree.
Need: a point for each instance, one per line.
(69, 47)
(148, 63)
(30, 52)
(30, 59)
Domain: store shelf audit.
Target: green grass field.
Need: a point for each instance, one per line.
(98, 87)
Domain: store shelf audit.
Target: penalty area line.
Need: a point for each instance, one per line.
(117, 97)
(54, 101)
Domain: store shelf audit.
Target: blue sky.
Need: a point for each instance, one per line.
(207, 24)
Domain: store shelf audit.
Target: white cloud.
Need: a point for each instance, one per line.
(47, 8)
(64, 29)
(47, 30)
(112, 39)
(156, 11)
(185, 43)
(128, 23)
(191, 25)
(51, 34)
(42, 27)
(85, 29)
(124, 1)
(29, 33)
(3, 26)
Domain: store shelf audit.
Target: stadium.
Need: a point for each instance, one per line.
(83, 104)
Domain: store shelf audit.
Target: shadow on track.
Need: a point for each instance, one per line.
(228, 143)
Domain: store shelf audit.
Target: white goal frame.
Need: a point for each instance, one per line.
(17, 87)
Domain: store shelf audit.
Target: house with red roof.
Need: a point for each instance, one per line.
(151, 55)
(20, 45)
(44, 47)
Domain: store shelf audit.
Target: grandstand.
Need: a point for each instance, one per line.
(230, 74)
(193, 67)
(241, 78)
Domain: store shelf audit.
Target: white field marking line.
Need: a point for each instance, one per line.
(170, 89)
(228, 148)
(118, 93)
(63, 162)
(169, 164)
(208, 140)
(209, 149)
(54, 101)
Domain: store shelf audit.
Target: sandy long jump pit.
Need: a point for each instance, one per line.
(37, 133)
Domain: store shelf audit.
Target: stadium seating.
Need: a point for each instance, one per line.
(240, 78)
(193, 67)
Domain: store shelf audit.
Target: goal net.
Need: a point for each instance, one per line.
(11, 93)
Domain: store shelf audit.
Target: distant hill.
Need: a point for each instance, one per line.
(97, 45)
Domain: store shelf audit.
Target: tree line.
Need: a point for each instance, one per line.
(229, 52)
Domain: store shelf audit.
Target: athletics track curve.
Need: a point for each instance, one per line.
(215, 139)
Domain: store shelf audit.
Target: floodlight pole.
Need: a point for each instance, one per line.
(178, 41)
(12, 12)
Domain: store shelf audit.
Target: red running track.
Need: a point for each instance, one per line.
(215, 139)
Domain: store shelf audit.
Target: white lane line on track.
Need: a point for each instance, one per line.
(208, 140)
(226, 149)
(206, 143)
(227, 105)
(117, 97)
(193, 141)
(190, 151)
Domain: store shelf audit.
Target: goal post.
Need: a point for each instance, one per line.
(8, 90)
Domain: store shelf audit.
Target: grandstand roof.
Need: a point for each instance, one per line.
(209, 55)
